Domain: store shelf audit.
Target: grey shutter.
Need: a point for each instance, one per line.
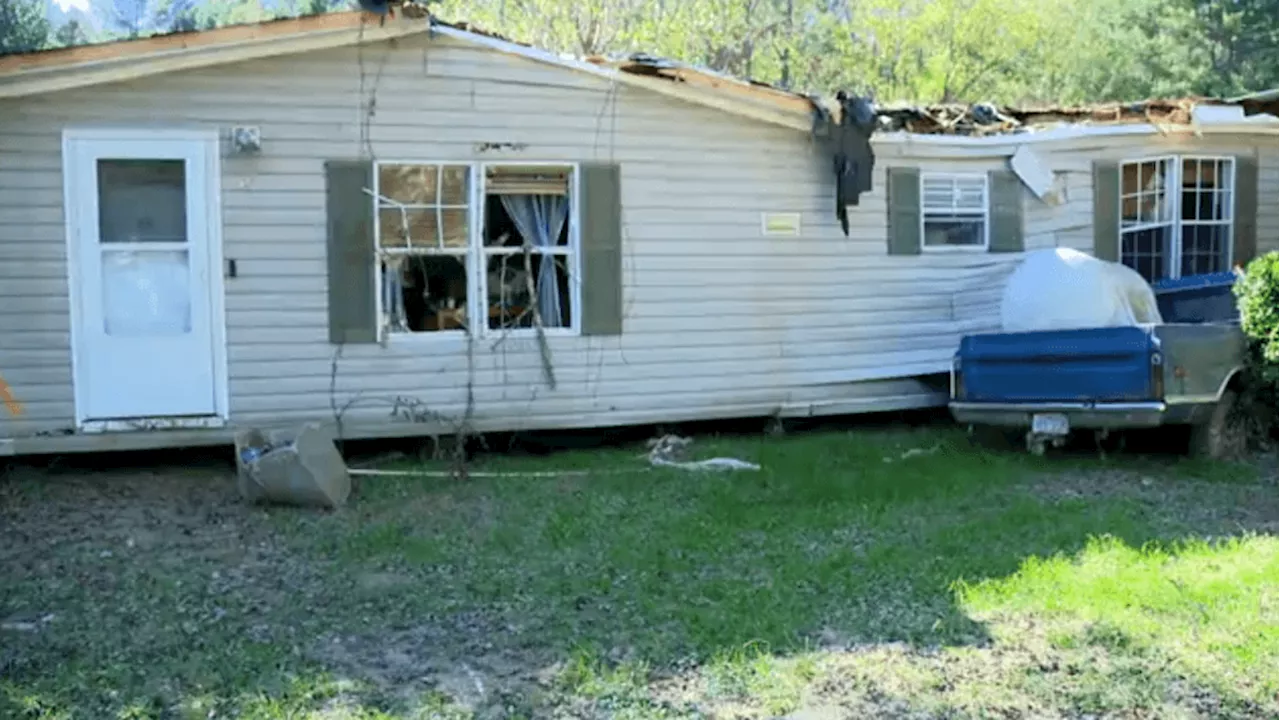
(1106, 210)
(904, 211)
(1005, 211)
(352, 291)
(600, 195)
(1245, 234)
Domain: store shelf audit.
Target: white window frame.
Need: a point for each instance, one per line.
(477, 255)
(383, 330)
(984, 213)
(1173, 197)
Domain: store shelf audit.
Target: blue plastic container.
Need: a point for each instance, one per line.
(1197, 299)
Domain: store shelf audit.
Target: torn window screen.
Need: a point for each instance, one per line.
(423, 245)
(849, 141)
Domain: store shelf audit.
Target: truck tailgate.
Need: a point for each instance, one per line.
(1090, 365)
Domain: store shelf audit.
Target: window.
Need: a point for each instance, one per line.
(1207, 212)
(953, 211)
(424, 242)
(476, 248)
(1176, 216)
(527, 253)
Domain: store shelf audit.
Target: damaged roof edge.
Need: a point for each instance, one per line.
(84, 66)
(978, 125)
(724, 99)
(1007, 144)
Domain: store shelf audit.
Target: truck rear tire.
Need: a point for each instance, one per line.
(1224, 434)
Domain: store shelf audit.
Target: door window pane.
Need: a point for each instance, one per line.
(146, 293)
(142, 201)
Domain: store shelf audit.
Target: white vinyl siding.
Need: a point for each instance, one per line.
(839, 324)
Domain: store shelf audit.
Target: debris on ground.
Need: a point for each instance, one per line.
(914, 452)
(26, 622)
(670, 451)
(300, 467)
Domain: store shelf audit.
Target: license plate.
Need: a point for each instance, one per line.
(1050, 424)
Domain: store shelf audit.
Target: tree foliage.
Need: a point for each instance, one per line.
(23, 26)
(1062, 51)
(70, 34)
(1015, 51)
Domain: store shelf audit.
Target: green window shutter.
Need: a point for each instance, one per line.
(353, 307)
(1106, 210)
(600, 199)
(904, 211)
(1005, 202)
(1245, 233)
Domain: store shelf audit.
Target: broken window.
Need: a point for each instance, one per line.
(423, 243)
(527, 249)
(511, 261)
(953, 211)
(1176, 216)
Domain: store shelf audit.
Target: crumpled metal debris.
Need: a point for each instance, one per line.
(669, 451)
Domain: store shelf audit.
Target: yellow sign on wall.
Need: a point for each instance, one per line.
(779, 223)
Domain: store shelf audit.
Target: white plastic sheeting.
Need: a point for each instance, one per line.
(146, 293)
(1066, 289)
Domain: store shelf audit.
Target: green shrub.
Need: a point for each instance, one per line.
(1258, 297)
(1258, 294)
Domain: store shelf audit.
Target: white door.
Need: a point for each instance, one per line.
(140, 214)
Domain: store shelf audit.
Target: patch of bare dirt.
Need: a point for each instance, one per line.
(471, 657)
(87, 529)
(176, 513)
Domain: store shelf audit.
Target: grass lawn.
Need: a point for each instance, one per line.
(843, 580)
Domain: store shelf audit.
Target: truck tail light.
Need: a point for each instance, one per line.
(1157, 375)
(957, 379)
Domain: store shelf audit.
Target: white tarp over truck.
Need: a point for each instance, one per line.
(1064, 289)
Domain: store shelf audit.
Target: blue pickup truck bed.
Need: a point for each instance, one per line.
(1100, 365)
(1110, 378)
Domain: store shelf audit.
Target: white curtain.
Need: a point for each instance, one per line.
(540, 219)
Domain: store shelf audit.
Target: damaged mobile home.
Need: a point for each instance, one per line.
(403, 226)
